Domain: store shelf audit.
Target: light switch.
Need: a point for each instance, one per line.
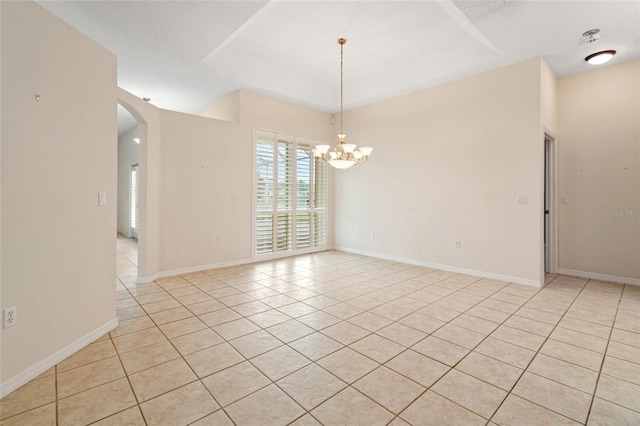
(234, 199)
(523, 199)
(102, 198)
(564, 199)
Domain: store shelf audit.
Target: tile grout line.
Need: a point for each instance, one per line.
(430, 334)
(450, 368)
(397, 415)
(460, 360)
(326, 286)
(96, 386)
(343, 320)
(502, 323)
(55, 372)
(396, 321)
(287, 344)
(181, 356)
(315, 362)
(604, 356)
(135, 396)
(549, 337)
(526, 369)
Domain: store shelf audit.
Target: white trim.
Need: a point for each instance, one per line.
(199, 268)
(148, 279)
(266, 257)
(40, 367)
(491, 275)
(601, 277)
(254, 188)
(552, 243)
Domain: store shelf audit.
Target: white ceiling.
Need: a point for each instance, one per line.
(186, 55)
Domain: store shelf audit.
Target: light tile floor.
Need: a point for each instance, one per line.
(341, 339)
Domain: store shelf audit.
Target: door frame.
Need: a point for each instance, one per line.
(550, 204)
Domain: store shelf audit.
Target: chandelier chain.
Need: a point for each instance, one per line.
(342, 41)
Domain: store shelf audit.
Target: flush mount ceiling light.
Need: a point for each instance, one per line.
(343, 155)
(599, 58)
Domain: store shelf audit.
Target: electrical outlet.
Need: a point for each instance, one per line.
(456, 243)
(10, 316)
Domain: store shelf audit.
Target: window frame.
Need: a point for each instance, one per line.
(295, 141)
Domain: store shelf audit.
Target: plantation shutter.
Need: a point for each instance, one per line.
(320, 205)
(290, 196)
(285, 193)
(265, 165)
(303, 195)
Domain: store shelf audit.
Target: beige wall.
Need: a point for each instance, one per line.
(448, 164)
(599, 129)
(260, 111)
(149, 201)
(206, 163)
(58, 245)
(226, 109)
(190, 169)
(127, 156)
(201, 176)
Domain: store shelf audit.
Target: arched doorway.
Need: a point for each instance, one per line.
(132, 141)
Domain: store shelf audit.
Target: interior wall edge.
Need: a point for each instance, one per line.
(600, 277)
(40, 367)
(449, 268)
(190, 269)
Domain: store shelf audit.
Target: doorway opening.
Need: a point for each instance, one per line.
(130, 134)
(550, 212)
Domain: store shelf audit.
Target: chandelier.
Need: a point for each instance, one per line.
(343, 155)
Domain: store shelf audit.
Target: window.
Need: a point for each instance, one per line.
(290, 196)
(133, 203)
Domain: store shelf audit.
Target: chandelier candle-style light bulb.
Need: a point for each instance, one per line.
(343, 155)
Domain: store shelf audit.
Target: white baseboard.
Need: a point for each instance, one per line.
(147, 279)
(174, 272)
(601, 277)
(484, 274)
(491, 275)
(35, 370)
